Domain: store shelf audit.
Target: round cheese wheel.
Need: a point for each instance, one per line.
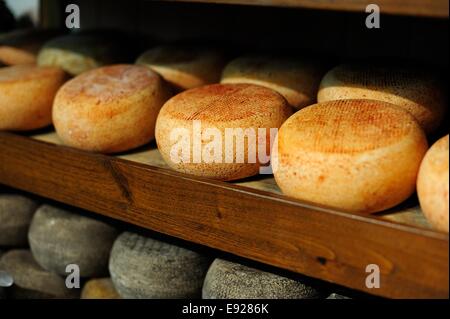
(22, 45)
(102, 288)
(193, 128)
(26, 96)
(30, 280)
(15, 56)
(432, 184)
(16, 212)
(296, 79)
(353, 155)
(59, 238)
(184, 67)
(78, 53)
(415, 90)
(228, 280)
(144, 268)
(109, 109)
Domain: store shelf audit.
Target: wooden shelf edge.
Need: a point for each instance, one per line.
(421, 8)
(319, 243)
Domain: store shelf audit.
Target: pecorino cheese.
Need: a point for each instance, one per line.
(432, 184)
(228, 280)
(144, 268)
(16, 212)
(352, 155)
(59, 237)
(417, 91)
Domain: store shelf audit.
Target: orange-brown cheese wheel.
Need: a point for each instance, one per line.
(109, 109)
(184, 68)
(432, 184)
(26, 96)
(219, 106)
(15, 56)
(418, 91)
(296, 79)
(352, 155)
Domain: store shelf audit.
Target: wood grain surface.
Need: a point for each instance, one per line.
(428, 8)
(259, 225)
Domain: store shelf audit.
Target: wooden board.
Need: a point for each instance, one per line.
(427, 8)
(245, 220)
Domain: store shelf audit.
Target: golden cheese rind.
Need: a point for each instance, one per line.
(26, 96)
(184, 68)
(109, 109)
(433, 184)
(352, 155)
(418, 91)
(221, 107)
(296, 79)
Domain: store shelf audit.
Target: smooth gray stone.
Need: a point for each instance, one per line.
(16, 212)
(228, 280)
(58, 238)
(32, 281)
(144, 268)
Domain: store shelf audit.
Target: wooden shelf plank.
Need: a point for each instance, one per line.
(424, 8)
(259, 225)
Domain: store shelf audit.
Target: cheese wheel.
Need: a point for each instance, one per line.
(228, 280)
(144, 268)
(26, 96)
(30, 280)
(78, 53)
(296, 79)
(207, 116)
(59, 237)
(353, 155)
(15, 56)
(432, 184)
(16, 212)
(110, 109)
(417, 91)
(102, 288)
(21, 46)
(184, 67)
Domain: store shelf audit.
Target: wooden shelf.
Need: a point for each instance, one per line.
(250, 218)
(425, 8)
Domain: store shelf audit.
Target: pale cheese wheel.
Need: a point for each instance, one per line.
(184, 67)
(228, 280)
(433, 184)
(353, 155)
(26, 96)
(295, 78)
(78, 53)
(15, 56)
(109, 109)
(418, 91)
(191, 129)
